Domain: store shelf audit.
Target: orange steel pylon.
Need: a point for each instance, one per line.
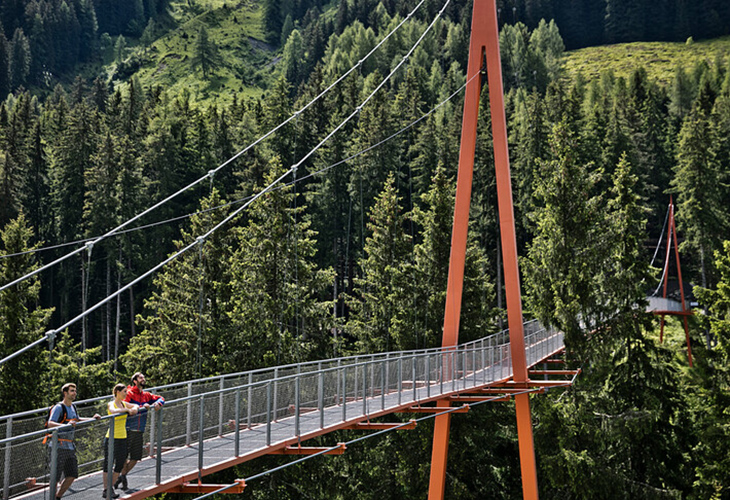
(485, 43)
(672, 238)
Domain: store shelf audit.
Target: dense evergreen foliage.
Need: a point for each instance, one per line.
(352, 257)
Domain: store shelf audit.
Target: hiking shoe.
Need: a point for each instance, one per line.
(114, 494)
(122, 480)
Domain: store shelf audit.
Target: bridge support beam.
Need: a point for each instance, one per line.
(381, 426)
(310, 450)
(199, 488)
(485, 43)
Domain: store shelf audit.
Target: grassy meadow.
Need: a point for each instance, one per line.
(235, 28)
(659, 58)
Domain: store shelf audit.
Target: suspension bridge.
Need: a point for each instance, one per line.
(273, 411)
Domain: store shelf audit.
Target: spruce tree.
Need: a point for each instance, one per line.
(559, 269)
(22, 321)
(383, 289)
(205, 53)
(280, 308)
(696, 184)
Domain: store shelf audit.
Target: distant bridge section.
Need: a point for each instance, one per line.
(659, 305)
(247, 415)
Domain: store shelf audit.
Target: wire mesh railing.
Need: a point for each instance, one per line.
(259, 408)
(663, 304)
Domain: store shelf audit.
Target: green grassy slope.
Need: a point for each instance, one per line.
(660, 59)
(236, 29)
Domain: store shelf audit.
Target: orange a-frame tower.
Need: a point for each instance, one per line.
(672, 238)
(485, 43)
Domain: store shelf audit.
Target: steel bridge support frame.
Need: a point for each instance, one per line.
(672, 238)
(485, 43)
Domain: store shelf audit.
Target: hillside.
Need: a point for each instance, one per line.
(235, 29)
(660, 59)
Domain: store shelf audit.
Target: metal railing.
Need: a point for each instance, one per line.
(301, 398)
(663, 304)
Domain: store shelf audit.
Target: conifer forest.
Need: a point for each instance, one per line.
(349, 254)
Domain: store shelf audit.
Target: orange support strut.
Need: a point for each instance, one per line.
(485, 42)
(672, 237)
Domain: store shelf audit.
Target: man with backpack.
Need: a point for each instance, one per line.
(61, 414)
(136, 424)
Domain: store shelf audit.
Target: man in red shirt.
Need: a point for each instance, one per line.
(136, 424)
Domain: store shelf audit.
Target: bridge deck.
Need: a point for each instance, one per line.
(297, 422)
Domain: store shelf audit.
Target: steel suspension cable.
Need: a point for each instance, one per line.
(246, 198)
(51, 333)
(661, 237)
(212, 172)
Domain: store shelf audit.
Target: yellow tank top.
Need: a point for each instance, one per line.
(120, 423)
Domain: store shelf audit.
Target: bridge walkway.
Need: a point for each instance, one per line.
(260, 418)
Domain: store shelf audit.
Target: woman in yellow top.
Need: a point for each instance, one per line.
(117, 407)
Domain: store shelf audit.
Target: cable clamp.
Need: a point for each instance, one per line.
(51, 334)
(89, 246)
(200, 239)
(211, 173)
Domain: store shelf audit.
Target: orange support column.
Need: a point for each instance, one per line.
(673, 229)
(485, 42)
(513, 293)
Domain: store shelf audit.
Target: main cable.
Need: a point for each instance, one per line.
(246, 198)
(212, 172)
(50, 335)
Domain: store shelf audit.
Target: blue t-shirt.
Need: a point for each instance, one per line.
(65, 438)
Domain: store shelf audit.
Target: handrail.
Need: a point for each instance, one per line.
(179, 385)
(371, 358)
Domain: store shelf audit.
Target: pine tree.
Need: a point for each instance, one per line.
(205, 53)
(278, 313)
(624, 21)
(627, 405)
(273, 21)
(699, 205)
(119, 46)
(713, 471)
(530, 142)
(293, 58)
(36, 189)
(559, 278)
(22, 321)
(19, 59)
(4, 66)
(184, 326)
(419, 321)
(384, 287)
(286, 29)
(9, 188)
(681, 94)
